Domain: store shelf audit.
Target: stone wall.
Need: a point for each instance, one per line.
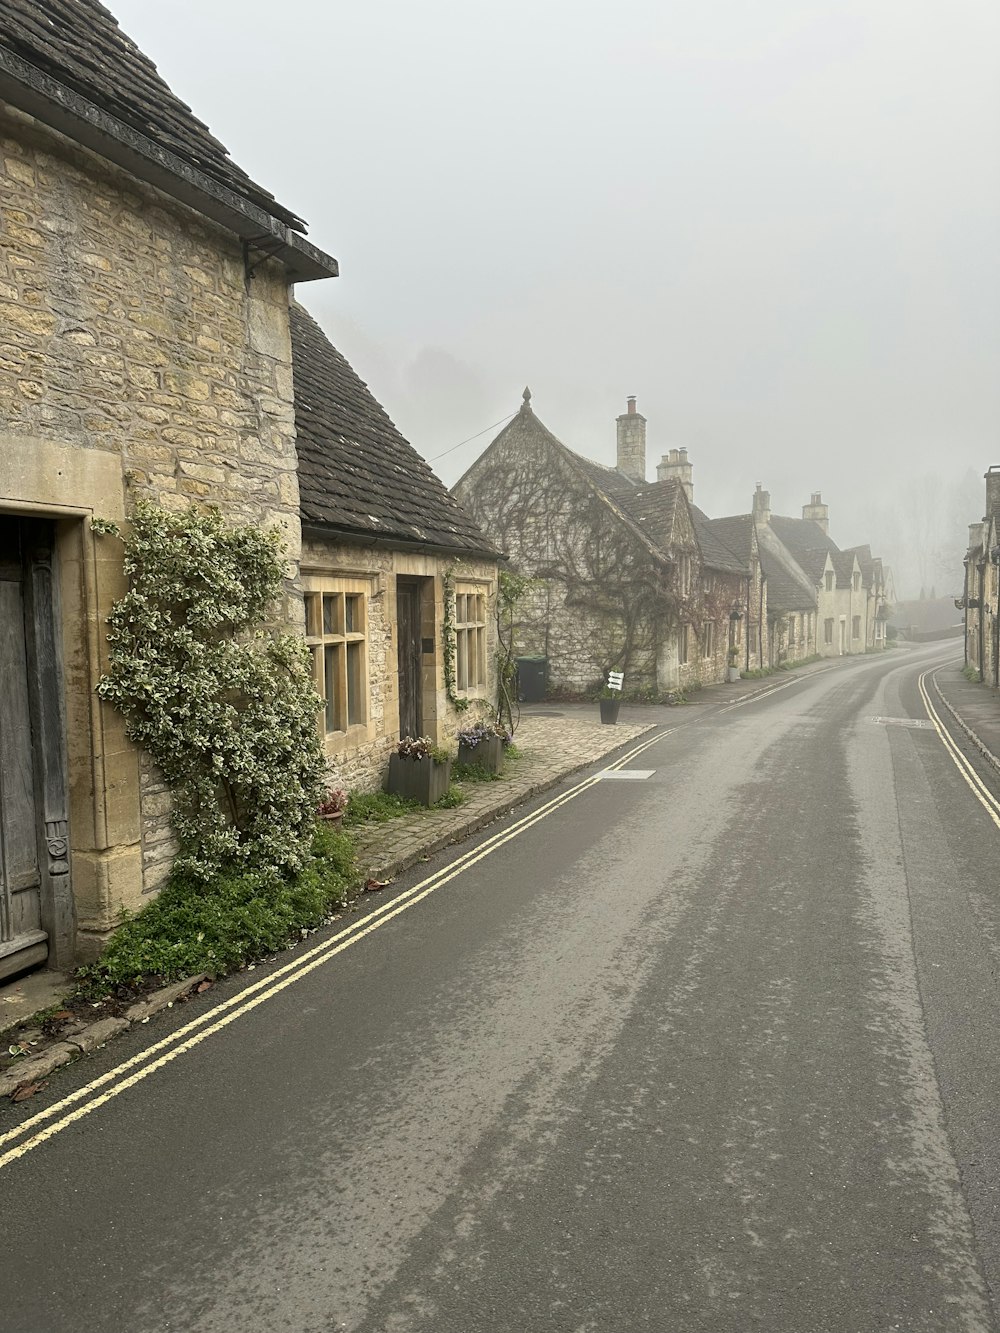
(129, 333)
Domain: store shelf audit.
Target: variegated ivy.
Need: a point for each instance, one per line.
(226, 709)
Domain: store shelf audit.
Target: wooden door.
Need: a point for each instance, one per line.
(23, 942)
(408, 656)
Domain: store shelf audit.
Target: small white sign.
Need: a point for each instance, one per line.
(615, 679)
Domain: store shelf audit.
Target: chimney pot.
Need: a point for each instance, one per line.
(631, 404)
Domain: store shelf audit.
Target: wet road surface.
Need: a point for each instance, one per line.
(711, 1050)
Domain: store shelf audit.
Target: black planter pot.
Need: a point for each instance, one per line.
(418, 779)
(488, 754)
(609, 710)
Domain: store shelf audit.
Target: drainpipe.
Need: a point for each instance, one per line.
(965, 612)
(982, 623)
(746, 646)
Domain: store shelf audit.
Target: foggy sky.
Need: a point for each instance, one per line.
(776, 222)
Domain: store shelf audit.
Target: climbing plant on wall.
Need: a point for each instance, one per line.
(226, 708)
(512, 589)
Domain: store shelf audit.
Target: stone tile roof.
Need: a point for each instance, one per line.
(79, 44)
(715, 550)
(865, 560)
(784, 592)
(654, 507)
(801, 534)
(843, 563)
(358, 476)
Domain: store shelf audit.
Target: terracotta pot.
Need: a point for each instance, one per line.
(335, 819)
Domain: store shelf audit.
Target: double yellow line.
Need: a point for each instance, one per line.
(975, 783)
(34, 1131)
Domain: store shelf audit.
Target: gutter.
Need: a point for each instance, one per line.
(28, 88)
(389, 543)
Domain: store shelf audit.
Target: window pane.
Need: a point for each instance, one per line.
(329, 614)
(462, 655)
(481, 656)
(330, 672)
(313, 618)
(355, 683)
(353, 614)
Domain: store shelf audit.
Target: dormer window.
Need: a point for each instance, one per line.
(829, 580)
(857, 582)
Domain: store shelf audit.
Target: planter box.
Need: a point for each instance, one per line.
(418, 779)
(487, 754)
(609, 710)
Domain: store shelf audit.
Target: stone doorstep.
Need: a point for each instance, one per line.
(92, 1036)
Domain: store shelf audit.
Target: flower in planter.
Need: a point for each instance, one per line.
(479, 732)
(333, 803)
(421, 747)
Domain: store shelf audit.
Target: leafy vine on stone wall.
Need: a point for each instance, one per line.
(226, 709)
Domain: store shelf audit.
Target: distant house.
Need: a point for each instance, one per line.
(628, 577)
(386, 552)
(848, 586)
(980, 601)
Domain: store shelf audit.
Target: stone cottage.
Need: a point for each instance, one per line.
(623, 581)
(144, 280)
(846, 614)
(399, 583)
(146, 350)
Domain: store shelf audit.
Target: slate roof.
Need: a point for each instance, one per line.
(79, 43)
(715, 550)
(806, 541)
(843, 563)
(736, 532)
(865, 560)
(784, 592)
(655, 508)
(358, 476)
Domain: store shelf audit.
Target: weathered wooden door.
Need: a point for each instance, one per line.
(408, 656)
(35, 903)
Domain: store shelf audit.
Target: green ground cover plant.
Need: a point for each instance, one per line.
(236, 917)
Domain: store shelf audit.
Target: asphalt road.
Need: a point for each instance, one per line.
(702, 1052)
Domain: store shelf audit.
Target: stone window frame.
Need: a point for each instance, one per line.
(708, 639)
(471, 638)
(855, 627)
(828, 578)
(682, 646)
(828, 631)
(337, 635)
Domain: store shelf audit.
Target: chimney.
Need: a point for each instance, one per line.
(993, 493)
(675, 464)
(977, 533)
(632, 443)
(761, 505)
(818, 512)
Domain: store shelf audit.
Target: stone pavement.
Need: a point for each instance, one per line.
(550, 746)
(975, 707)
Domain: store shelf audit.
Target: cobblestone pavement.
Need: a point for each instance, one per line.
(549, 748)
